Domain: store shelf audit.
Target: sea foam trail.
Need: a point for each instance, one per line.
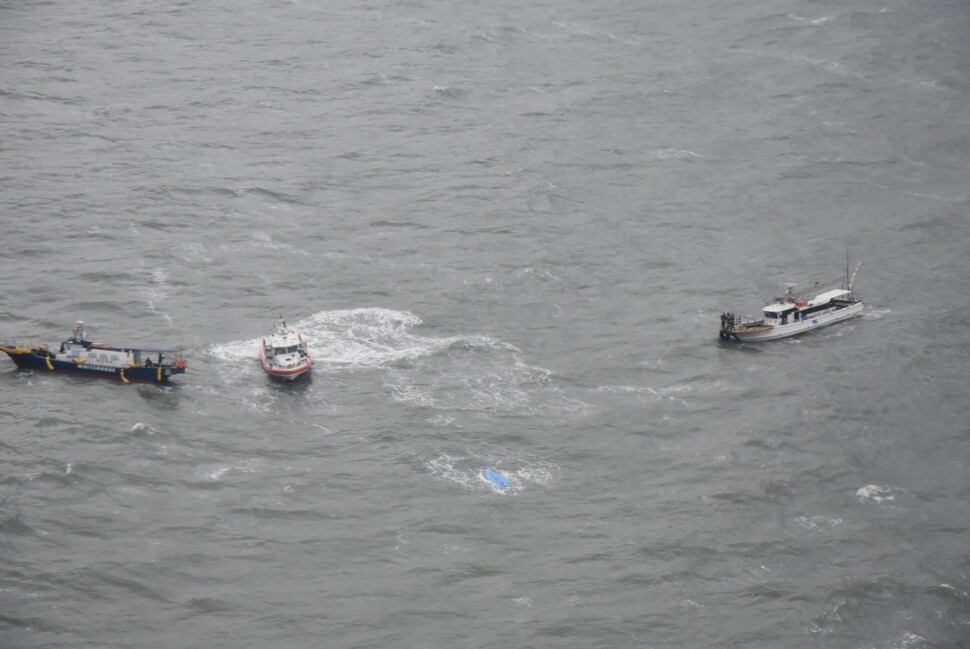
(463, 373)
(367, 337)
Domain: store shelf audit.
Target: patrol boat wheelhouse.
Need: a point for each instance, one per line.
(284, 354)
(797, 312)
(147, 364)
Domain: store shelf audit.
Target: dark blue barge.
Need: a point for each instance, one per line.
(80, 356)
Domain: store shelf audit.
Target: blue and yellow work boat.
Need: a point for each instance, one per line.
(127, 364)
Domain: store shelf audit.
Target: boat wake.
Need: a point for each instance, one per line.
(463, 373)
(361, 338)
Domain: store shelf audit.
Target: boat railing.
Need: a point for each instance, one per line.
(732, 321)
(747, 323)
(792, 295)
(24, 343)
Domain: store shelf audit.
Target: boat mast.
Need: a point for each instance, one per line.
(852, 280)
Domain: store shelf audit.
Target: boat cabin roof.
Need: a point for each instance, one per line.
(822, 298)
(123, 348)
(780, 307)
(284, 339)
(783, 306)
(150, 350)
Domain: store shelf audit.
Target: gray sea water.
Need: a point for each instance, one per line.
(507, 231)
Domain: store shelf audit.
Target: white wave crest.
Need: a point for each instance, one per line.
(467, 471)
(367, 337)
(878, 494)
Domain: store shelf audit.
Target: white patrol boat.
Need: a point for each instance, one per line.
(284, 354)
(797, 312)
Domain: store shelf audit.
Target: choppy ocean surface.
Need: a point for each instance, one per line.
(507, 232)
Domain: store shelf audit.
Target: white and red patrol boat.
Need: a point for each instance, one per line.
(284, 354)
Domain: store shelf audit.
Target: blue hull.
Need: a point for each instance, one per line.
(127, 374)
(498, 479)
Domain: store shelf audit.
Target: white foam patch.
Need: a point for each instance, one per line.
(625, 389)
(909, 640)
(414, 396)
(468, 472)
(237, 350)
(675, 153)
(158, 292)
(877, 494)
(816, 523)
(214, 473)
(451, 549)
(368, 337)
(673, 393)
(540, 472)
(265, 240)
(585, 30)
(812, 21)
(451, 469)
(240, 369)
(482, 380)
(538, 274)
(952, 591)
(194, 253)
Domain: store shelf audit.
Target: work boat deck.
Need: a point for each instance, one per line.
(796, 313)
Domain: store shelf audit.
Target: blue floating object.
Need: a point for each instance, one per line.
(498, 479)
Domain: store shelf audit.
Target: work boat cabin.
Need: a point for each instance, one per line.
(81, 351)
(286, 350)
(785, 312)
(84, 352)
